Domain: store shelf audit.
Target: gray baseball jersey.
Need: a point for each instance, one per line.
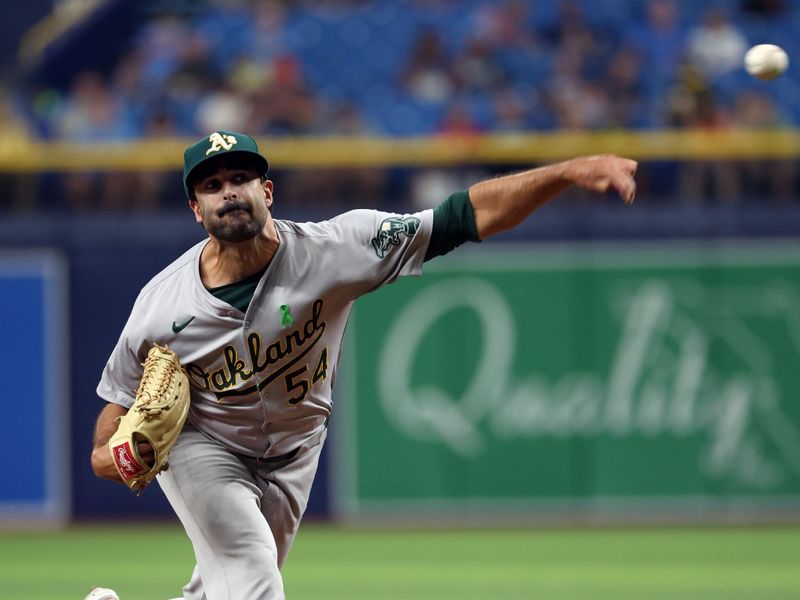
(261, 381)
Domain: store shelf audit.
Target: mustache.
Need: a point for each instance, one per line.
(234, 205)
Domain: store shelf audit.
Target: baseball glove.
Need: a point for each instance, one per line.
(157, 417)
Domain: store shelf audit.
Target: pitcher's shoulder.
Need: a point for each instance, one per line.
(181, 267)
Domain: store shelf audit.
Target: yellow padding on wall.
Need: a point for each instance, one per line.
(23, 155)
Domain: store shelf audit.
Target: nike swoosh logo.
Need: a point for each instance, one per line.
(178, 328)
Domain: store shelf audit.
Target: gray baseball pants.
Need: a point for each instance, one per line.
(240, 514)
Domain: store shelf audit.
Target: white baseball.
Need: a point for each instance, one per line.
(99, 593)
(766, 61)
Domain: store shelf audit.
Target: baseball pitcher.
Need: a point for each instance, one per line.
(250, 321)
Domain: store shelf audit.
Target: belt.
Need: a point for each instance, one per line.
(283, 458)
(270, 460)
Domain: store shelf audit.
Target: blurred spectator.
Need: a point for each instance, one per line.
(505, 24)
(239, 62)
(146, 189)
(691, 101)
(93, 113)
(572, 33)
(160, 44)
(772, 179)
(691, 104)
(427, 75)
(576, 102)
(343, 118)
(197, 59)
(264, 37)
(661, 42)
(225, 25)
(127, 82)
(477, 69)
(224, 108)
(574, 94)
(285, 105)
(175, 71)
(624, 84)
(443, 66)
(512, 112)
(717, 46)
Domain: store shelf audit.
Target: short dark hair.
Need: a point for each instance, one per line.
(231, 160)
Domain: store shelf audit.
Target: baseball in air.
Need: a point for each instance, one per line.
(766, 61)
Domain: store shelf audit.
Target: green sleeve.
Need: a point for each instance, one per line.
(453, 224)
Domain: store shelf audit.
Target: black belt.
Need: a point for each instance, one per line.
(270, 460)
(276, 460)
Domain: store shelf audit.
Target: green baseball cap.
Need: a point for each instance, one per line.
(217, 144)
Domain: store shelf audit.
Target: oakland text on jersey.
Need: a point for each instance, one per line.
(296, 344)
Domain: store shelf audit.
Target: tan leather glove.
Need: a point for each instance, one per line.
(157, 417)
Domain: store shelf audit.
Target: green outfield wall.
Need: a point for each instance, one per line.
(553, 377)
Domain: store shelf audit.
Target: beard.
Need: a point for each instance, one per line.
(243, 225)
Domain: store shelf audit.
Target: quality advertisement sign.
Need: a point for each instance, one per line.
(648, 375)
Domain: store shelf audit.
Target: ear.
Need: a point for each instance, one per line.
(195, 206)
(268, 188)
